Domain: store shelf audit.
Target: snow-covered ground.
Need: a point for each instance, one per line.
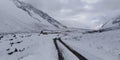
(105, 46)
(27, 45)
(97, 46)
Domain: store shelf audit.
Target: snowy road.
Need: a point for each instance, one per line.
(78, 55)
(60, 55)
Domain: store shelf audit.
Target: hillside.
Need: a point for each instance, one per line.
(13, 19)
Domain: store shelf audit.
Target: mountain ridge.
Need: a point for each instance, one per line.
(32, 10)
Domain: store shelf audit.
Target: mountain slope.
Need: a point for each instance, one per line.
(32, 11)
(111, 20)
(13, 19)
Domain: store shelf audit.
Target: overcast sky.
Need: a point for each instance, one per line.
(77, 13)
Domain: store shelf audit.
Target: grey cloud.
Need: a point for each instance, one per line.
(63, 10)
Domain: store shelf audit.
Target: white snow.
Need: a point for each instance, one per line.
(13, 19)
(105, 46)
(32, 46)
(38, 47)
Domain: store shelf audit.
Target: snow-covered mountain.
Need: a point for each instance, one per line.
(110, 19)
(32, 10)
(17, 16)
(113, 21)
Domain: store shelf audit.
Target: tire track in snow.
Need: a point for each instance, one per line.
(60, 56)
(78, 55)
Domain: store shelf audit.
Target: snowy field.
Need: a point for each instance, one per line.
(30, 46)
(18, 46)
(105, 46)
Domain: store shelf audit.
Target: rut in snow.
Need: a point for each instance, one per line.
(60, 56)
(78, 55)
